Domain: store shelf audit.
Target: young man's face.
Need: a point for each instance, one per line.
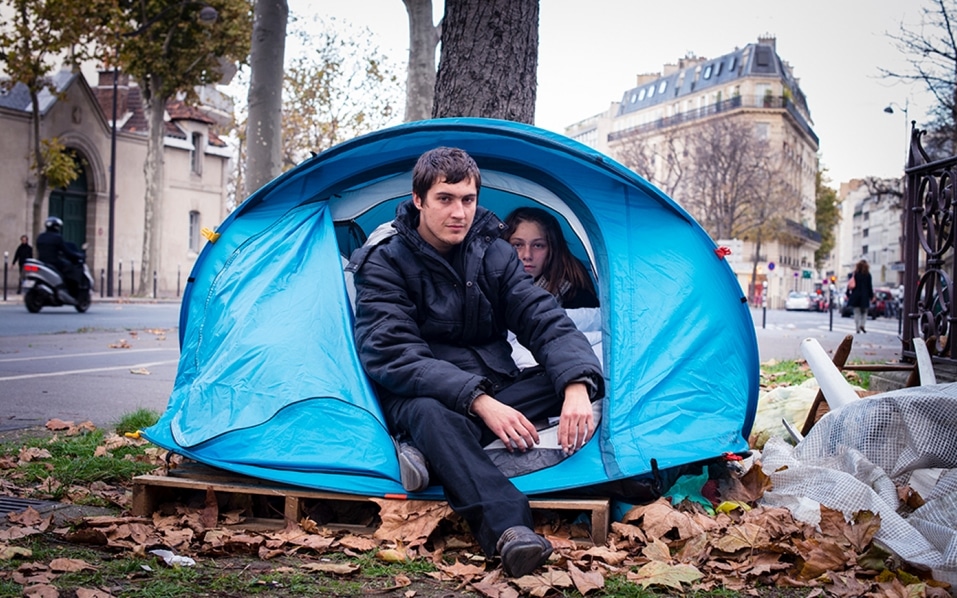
(446, 213)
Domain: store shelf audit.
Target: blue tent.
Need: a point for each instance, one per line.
(269, 384)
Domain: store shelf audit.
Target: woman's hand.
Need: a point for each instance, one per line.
(577, 423)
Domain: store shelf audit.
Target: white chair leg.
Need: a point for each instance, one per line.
(837, 390)
(925, 366)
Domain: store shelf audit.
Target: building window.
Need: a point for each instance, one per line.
(194, 231)
(734, 63)
(707, 72)
(641, 95)
(196, 154)
(762, 130)
(864, 251)
(662, 87)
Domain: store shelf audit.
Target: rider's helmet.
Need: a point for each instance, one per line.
(53, 224)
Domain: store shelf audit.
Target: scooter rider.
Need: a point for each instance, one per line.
(53, 250)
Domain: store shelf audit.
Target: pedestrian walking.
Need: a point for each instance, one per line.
(23, 253)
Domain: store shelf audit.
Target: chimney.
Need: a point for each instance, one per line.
(647, 78)
(768, 40)
(105, 90)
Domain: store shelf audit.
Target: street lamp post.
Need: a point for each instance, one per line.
(207, 16)
(889, 109)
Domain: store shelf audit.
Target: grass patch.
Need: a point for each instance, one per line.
(785, 373)
(75, 461)
(138, 420)
(796, 372)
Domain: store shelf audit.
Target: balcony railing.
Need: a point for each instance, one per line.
(733, 103)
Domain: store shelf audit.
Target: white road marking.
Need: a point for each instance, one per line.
(71, 356)
(88, 371)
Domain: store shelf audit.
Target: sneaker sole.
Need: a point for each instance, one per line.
(412, 479)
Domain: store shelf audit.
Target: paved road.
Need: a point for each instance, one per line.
(120, 356)
(780, 334)
(96, 366)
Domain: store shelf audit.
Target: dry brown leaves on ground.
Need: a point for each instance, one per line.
(657, 544)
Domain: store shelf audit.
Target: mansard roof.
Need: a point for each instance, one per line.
(697, 75)
(17, 97)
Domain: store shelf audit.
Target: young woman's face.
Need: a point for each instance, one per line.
(528, 239)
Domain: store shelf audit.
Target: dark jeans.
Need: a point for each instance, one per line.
(452, 443)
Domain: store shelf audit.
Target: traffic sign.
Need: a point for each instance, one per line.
(770, 265)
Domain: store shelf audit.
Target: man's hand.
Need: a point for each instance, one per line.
(577, 423)
(511, 427)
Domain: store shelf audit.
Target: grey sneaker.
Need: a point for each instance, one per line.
(522, 550)
(413, 470)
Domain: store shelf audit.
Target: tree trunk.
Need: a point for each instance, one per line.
(754, 266)
(41, 191)
(489, 60)
(264, 121)
(420, 80)
(153, 198)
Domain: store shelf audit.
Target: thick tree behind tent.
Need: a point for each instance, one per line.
(264, 123)
(420, 78)
(489, 60)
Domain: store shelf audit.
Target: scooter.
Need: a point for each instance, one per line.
(43, 285)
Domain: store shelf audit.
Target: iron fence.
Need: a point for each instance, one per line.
(929, 265)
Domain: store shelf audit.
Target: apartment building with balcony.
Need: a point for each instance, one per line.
(751, 85)
(871, 228)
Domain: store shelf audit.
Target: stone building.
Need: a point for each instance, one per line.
(871, 228)
(754, 86)
(80, 116)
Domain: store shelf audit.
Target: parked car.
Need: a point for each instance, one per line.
(799, 300)
(884, 303)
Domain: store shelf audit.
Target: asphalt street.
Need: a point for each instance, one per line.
(97, 366)
(123, 355)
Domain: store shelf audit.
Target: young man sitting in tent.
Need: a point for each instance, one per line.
(433, 305)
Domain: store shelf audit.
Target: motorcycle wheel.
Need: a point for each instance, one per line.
(83, 302)
(33, 301)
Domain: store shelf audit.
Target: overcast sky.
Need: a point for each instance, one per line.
(591, 51)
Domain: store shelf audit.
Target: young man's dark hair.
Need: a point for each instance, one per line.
(434, 303)
(449, 162)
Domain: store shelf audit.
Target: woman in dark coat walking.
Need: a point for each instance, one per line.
(862, 291)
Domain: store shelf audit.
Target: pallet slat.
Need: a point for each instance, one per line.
(149, 491)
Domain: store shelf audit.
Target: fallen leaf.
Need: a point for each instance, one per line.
(10, 552)
(656, 550)
(541, 585)
(411, 521)
(70, 565)
(358, 543)
(140, 371)
(41, 591)
(586, 581)
(58, 424)
(333, 568)
(663, 574)
(746, 535)
(88, 593)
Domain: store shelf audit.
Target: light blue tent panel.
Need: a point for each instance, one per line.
(269, 384)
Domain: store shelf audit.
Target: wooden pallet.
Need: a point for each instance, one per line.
(150, 491)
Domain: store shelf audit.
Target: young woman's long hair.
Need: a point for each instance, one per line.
(561, 265)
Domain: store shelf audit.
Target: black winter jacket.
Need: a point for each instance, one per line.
(426, 327)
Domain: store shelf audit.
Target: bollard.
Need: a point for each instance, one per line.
(6, 256)
(102, 284)
(177, 280)
(132, 277)
(154, 284)
(119, 281)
